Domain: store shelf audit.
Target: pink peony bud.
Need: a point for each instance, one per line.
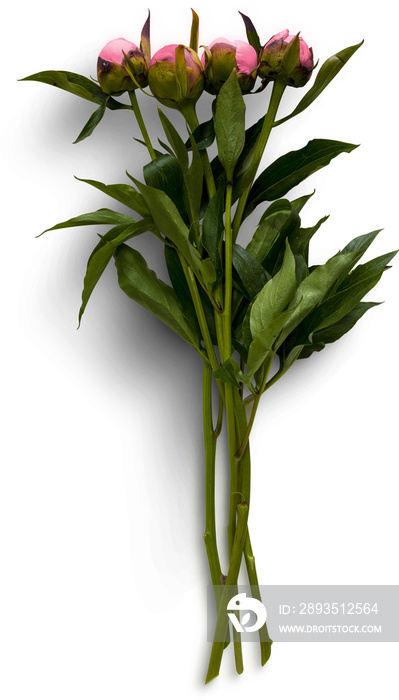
(113, 71)
(175, 76)
(221, 57)
(272, 60)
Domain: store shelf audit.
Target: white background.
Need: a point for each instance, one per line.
(103, 569)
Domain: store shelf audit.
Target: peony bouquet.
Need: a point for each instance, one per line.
(248, 311)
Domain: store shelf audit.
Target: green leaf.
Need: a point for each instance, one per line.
(230, 373)
(301, 268)
(175, 140)
(338, 304)
(274, 258)
(204, 135)
(315, 287)
(275, 295)
(364, 272)
(193, 183)
(361, 243)
(143, 286)
(145, 44)
(249, 273)
(271, 223)
(213, 227)
(230, 124)
(246, 326)
(179, 284)
(252, 34)
(102, 254)
(334, 332)
(358, 245)
(164, 173)
(194, 31)
(325, 75)
(92, 122)
(95, 218)
(77, 85)
(125, 194)
(300, 241)
(291, 169)
(299, 203)
(291, 56)
(261, 346)
(168, 220)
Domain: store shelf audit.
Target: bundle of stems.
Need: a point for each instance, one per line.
(239, 308)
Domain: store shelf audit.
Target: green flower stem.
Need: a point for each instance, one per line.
(210, 455)
(222, 623)
(210, 438)
(264, 639)
(191, 118)
(228, 285)
(199, 309)
(275, 99)
(257, 397)
(140, 121)
(225, 353)
(235, 498)
(244, 479)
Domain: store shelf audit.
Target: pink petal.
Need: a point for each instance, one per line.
(246, 57)
(113, 51)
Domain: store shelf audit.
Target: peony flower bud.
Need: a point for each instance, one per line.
(175, 76)
(221, 57)
(113, 71)
(272, 60)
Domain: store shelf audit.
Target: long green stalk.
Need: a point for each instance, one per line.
(140, 121)
(222, 623)
(210, 455)
(277, 93)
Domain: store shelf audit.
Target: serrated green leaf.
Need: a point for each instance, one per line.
(143, 286)
(292, 168)
(125, 194)
(95, 218)
(230, 124)
(325, 75)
